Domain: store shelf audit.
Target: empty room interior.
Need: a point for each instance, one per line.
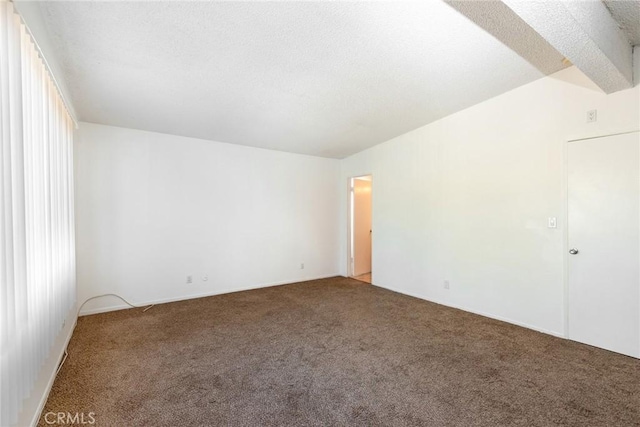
(314, 213)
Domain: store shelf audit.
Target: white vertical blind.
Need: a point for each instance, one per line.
(37, 242)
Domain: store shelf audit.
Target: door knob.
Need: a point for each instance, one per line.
(573, 251)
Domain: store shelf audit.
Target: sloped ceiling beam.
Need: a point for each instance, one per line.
(504, 24)
(586, 33)
(582, 31)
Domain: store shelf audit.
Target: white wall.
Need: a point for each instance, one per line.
(153, 208)
(466, 199)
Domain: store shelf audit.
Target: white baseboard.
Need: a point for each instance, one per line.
(202, 295)
(32, 406)
(481, 313)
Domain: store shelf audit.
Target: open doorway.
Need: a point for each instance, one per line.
(360, 231)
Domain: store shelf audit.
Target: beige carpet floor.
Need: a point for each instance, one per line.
(335, 352)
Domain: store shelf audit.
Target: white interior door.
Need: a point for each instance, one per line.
(361, 226)
(604, 224)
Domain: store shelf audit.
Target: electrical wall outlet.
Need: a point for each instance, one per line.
(205, 277)
(592, 116)
(446, 284)
(302, 266)
(189, 279)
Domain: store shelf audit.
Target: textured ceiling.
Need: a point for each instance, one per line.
(627, 13)
(327, 78)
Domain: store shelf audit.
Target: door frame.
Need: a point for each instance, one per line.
(565, 218)
(350, 193)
